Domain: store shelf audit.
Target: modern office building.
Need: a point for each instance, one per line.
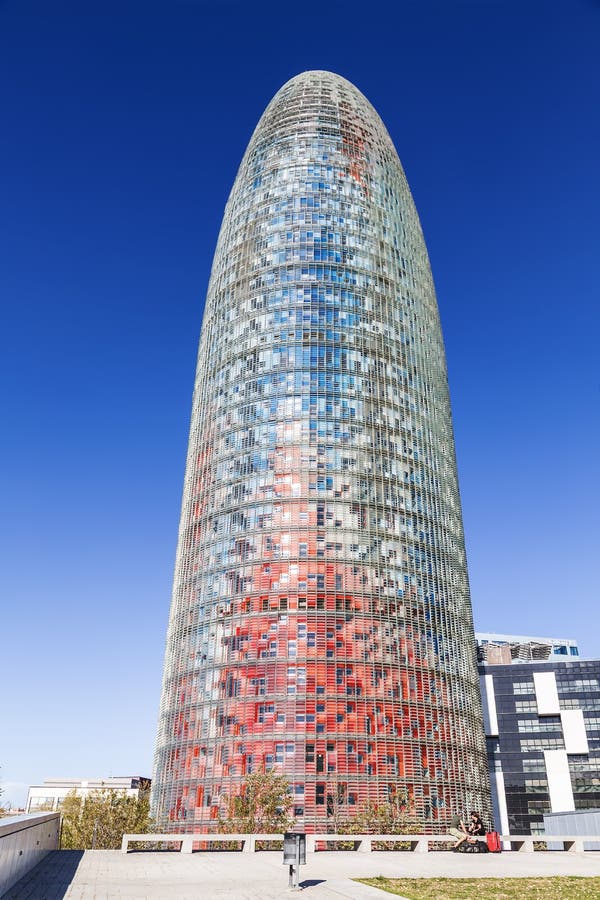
(48, 796)
(500, 649)
(542, 722)
(321, 620)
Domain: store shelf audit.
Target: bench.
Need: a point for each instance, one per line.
(572, 843)
(363, 843)
(187, 841)
(419, 843)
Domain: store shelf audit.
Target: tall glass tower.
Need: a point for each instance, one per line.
(321, 622)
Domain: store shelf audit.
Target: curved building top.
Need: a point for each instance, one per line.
(322, 118)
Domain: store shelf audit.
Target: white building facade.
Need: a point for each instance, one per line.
(48, 797)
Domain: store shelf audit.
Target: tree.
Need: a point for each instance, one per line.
(389, 817)
(100, 819)
(262, 805)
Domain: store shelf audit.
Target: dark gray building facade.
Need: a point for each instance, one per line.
(542, 722)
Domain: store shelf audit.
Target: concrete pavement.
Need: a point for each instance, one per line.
(112, 875)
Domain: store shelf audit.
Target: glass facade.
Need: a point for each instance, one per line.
(497, 649)
(321, 621)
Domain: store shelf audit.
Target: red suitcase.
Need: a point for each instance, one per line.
(493, 842)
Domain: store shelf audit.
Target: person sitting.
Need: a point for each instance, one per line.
(475, 828)
(458, 831)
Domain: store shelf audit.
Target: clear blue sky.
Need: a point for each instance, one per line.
(122, 125)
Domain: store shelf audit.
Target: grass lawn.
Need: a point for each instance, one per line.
(556, 888)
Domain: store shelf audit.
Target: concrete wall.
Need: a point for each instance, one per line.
(584, 821)
(24, 841)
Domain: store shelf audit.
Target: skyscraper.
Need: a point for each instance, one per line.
(321, 622)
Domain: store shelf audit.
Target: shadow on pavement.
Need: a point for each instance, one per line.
(313, 882)
(50, 879)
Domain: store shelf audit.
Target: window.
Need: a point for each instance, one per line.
(41, 804)
(536, 786)
(548, 723)
(525, 706)
(577, 684)
(534, 744)
(523, 687)
(588, 785)
(534, 765)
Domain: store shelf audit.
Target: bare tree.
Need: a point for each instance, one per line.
(262, 805)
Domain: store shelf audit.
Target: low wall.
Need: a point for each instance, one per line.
(24, 841)
(363, 843)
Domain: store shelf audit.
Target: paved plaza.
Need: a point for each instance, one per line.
(108, 874)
